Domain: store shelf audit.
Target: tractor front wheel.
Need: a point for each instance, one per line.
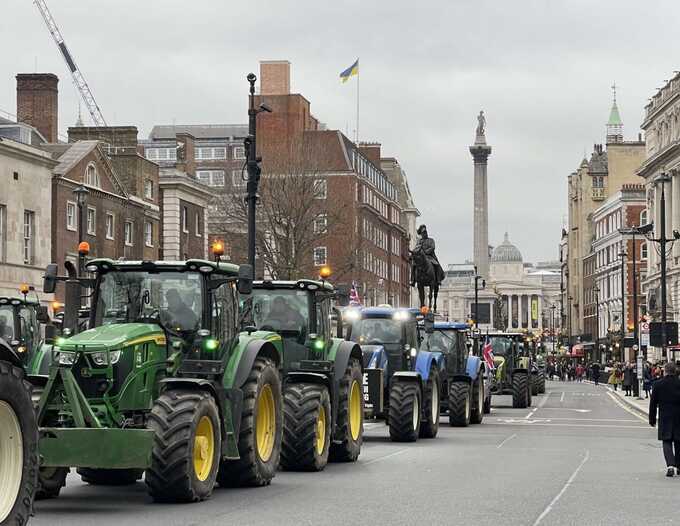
(306, 427)
(459, 404)
(18, 447)
(477, 413)
(110, 477)
(186, 448)
(404, 415)
(520, 390)
(541, 382)
(430, 424)
(259, 442)
(350, 422)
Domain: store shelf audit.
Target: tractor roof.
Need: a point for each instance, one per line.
(17, 301)
(383, 312)
(450, 326)
(300, 284)
(193, 265)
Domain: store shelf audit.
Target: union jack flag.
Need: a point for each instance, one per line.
(487, 354)
(354, 299)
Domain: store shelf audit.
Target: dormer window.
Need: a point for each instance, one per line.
(91, 176)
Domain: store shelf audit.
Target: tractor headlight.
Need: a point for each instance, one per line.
(414, 352)
(99, 358)
(66, 358)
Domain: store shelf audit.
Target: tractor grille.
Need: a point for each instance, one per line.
(95, 385)
(395, 359)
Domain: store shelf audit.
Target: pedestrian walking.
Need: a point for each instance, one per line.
(666, 397)
(616, 377)
(647, 379)
(596, 373)
(628, 379)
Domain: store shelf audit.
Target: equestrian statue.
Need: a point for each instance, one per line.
(425, 269)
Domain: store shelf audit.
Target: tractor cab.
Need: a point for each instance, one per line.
(20, 320)
(450, 340)
(513, 362)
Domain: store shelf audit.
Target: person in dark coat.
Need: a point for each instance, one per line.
(596, 373)
(628, 379)
(666, 397)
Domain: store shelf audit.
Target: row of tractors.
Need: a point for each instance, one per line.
(191, 375)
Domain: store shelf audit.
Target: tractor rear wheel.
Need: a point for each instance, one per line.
(430, 424)
(487, 405)
(50, 482)
(404, 415)
(541, 382)
(261, 431)
(186, 447)
(110, 477)
(520, 390)
(477, 410)
(349, 435)
(534, 384)
(18, 447)
(459, 404)
(306, 427)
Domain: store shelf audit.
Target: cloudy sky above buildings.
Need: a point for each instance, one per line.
(542, 71)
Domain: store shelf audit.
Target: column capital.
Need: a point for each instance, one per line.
(480, 153)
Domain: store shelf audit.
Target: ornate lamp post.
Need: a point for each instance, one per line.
(81, 194)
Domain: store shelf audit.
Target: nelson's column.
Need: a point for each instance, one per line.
(480, 152)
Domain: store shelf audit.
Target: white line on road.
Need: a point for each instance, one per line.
(534, 423)
(541, 404)
(564, 488)
(506, 440)
(386, 456)
(623, 406)
(562, 397)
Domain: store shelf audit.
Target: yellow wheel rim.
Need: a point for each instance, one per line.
(265, 426)
(355, 410)
(204, 448)
(321, 431)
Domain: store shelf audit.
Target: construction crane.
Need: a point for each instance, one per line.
(78, 78)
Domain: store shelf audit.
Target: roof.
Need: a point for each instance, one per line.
(450, 326)
(381, 312)
(506, 252)
(73, 155)
(298, 285)
(614, 116)
(169, 266)
(199, 131)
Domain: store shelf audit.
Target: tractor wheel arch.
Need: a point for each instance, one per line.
(255, 349)
(8, 355)
(345, 352)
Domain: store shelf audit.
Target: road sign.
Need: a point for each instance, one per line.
(644, 339)
(644, 327)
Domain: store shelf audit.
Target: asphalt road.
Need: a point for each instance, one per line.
(576, 457)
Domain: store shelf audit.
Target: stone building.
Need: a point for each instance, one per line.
(25, 208)
(662, 132)
(597, 178)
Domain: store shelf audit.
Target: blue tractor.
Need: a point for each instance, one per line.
(465, 388)
(401, 382)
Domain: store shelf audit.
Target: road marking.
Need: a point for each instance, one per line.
(593, 419)
(568, 409)
(564, 488)
(627, 409)
(562, 397)
(506, 440)
(530, 414)
(538, 423)
(386, 456)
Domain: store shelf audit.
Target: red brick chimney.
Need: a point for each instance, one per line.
(37, 103)
(274, 77)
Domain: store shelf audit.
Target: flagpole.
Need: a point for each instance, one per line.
(357, 133)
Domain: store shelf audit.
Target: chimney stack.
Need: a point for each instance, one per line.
(274, 77)
(37, 103)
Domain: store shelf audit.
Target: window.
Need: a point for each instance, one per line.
(319, 256)
(211, 177)
(29, 227)
(206, 154)
(161, 154)
(643, 217)
(129, 233)
(91, 221)
(321, 224)
(185, 220)
(239, 152)
(91, 175)
(3, 232)
(643, 251)
(110, 225)
(148, 189)
(320, 188)
(71, 222)
(197, 220)
(148, 234)
(237, 178)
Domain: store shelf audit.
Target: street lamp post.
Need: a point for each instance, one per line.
(598, 357)
(552, 323)
(662, 179)
(477, 278)
(623, 255)
(569, 298)
(81, 194)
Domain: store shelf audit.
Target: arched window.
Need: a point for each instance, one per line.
(91, 175)
(643, 251)
(643, 217)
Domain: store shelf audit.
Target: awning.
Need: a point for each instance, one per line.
(577, 350)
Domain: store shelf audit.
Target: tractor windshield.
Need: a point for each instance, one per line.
(281, 310)
(7, 323)
(376, 331)
(500, 345)
(440, 341)
(173, 298)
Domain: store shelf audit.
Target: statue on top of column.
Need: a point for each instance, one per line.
(481, 124)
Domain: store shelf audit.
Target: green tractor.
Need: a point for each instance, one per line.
(20, 321)
(513, 364)
(322, 376)
(162, 382)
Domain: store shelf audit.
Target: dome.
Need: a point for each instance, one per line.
(506, 252)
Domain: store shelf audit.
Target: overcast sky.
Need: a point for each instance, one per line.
(541, 70)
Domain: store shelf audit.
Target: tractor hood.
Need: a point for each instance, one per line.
(114, 336)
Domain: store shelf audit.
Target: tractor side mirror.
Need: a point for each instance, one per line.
(245, 279)
(42, 315)
(50, 334)
(50, 278)
(342, 293)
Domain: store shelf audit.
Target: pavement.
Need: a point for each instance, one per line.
(580, 455)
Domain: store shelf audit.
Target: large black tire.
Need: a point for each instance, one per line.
(306, 427)
(541, 382)
(535, 384)
(430, 419)
(183, 420)
(404, 413)
(520, 390)
(477, 401)
(460, 406)
(50, 482)
(349, 434)
(19, 455)
(255, 467)
(110, 477)
(487, 405)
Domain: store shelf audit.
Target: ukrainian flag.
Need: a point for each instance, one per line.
(350, 71)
